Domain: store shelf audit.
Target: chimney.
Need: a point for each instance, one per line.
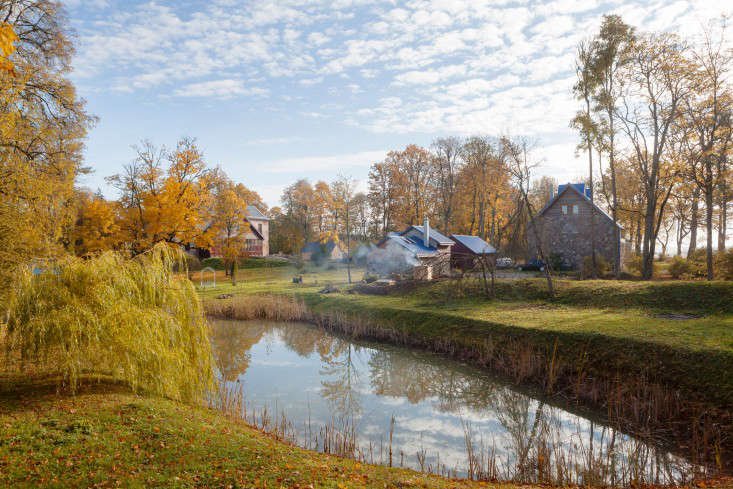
(426, 234)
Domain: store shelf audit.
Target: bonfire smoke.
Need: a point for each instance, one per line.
(391, 259)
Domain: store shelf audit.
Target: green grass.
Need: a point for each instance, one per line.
(107, 437)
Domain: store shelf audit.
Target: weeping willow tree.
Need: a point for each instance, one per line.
(134, 320)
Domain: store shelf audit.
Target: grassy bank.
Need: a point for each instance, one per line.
(107, 437)
(617, 347)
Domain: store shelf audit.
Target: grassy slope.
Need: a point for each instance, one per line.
(616, 322)
(110, 438)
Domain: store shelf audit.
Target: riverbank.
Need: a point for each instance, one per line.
(107, 437)
(618, 348)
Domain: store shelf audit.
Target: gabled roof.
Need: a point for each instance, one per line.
(254, 213)
(414, 246)
(318, 247)
(562, 189)
(475, 244)
(433, 235)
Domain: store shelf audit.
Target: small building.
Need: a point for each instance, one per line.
(323, 251)
(257, 239)
(419, 250)
(564, 227)
(467, 250)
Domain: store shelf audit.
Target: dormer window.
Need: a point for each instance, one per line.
(565, 210)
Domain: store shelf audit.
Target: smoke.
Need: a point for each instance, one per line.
(393, 258)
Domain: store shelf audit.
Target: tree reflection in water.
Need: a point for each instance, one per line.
(534, 438)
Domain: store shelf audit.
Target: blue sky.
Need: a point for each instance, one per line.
(276, 90)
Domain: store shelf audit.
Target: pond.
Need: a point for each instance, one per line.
(350, 397)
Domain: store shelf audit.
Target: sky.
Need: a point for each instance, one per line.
(277, 90)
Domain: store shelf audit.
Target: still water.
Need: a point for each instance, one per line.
(313, 376)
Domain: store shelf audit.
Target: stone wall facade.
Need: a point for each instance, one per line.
(565, 230)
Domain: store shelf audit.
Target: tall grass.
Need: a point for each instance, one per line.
(134, 320)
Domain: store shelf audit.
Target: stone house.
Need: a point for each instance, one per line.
(564, 226)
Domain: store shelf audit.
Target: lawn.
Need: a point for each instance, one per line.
(107, 437)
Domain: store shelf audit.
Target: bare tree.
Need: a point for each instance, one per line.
(518, 156)
(447, 162)
(343, 191)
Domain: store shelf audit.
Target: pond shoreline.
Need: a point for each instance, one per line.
(565, 368)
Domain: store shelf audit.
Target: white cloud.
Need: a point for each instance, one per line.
(220, 89)
(333, 163)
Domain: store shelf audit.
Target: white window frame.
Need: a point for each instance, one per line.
(576, 209)
(565, 210)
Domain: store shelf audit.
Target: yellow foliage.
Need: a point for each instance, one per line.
(96, 226)
(7, 46)
(132, 319)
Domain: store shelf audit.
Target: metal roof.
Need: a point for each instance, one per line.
(433, 235)
(414, 246)
(318, 247)
(475, 244)
(254, 213)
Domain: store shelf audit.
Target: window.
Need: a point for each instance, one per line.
(576, 209)
(565, 209)
(259, 228)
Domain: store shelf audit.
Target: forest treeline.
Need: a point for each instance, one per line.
(654, 120)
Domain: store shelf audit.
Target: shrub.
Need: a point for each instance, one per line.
(602, 267)
(132, 319)
(557, 261)
(725, 264)
(635, 264)
(215, 263)
(679, 267)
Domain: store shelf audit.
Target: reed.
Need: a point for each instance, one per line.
(631, 401)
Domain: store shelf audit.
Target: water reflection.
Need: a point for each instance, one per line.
(440, 406)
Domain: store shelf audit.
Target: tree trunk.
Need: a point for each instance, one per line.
(709, 230)
(649, 239)
(693, 223)
(538, 242)
(594, 272)
(614, 196)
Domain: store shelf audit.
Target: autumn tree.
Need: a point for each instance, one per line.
(343, 190)
(42, 127)
(584, 88)
(96, 228)
(611, 50)
(447, 163)
(707, 117)
(229, 226)
(657, 83)
(415, 165)
(166, 196)
(385, 188)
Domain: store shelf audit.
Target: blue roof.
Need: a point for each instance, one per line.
(318, 247)
(433, 234)
(582, 188)
(254, 213)
(412, 245)
(475, 244)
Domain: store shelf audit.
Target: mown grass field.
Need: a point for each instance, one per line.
(107, 437)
